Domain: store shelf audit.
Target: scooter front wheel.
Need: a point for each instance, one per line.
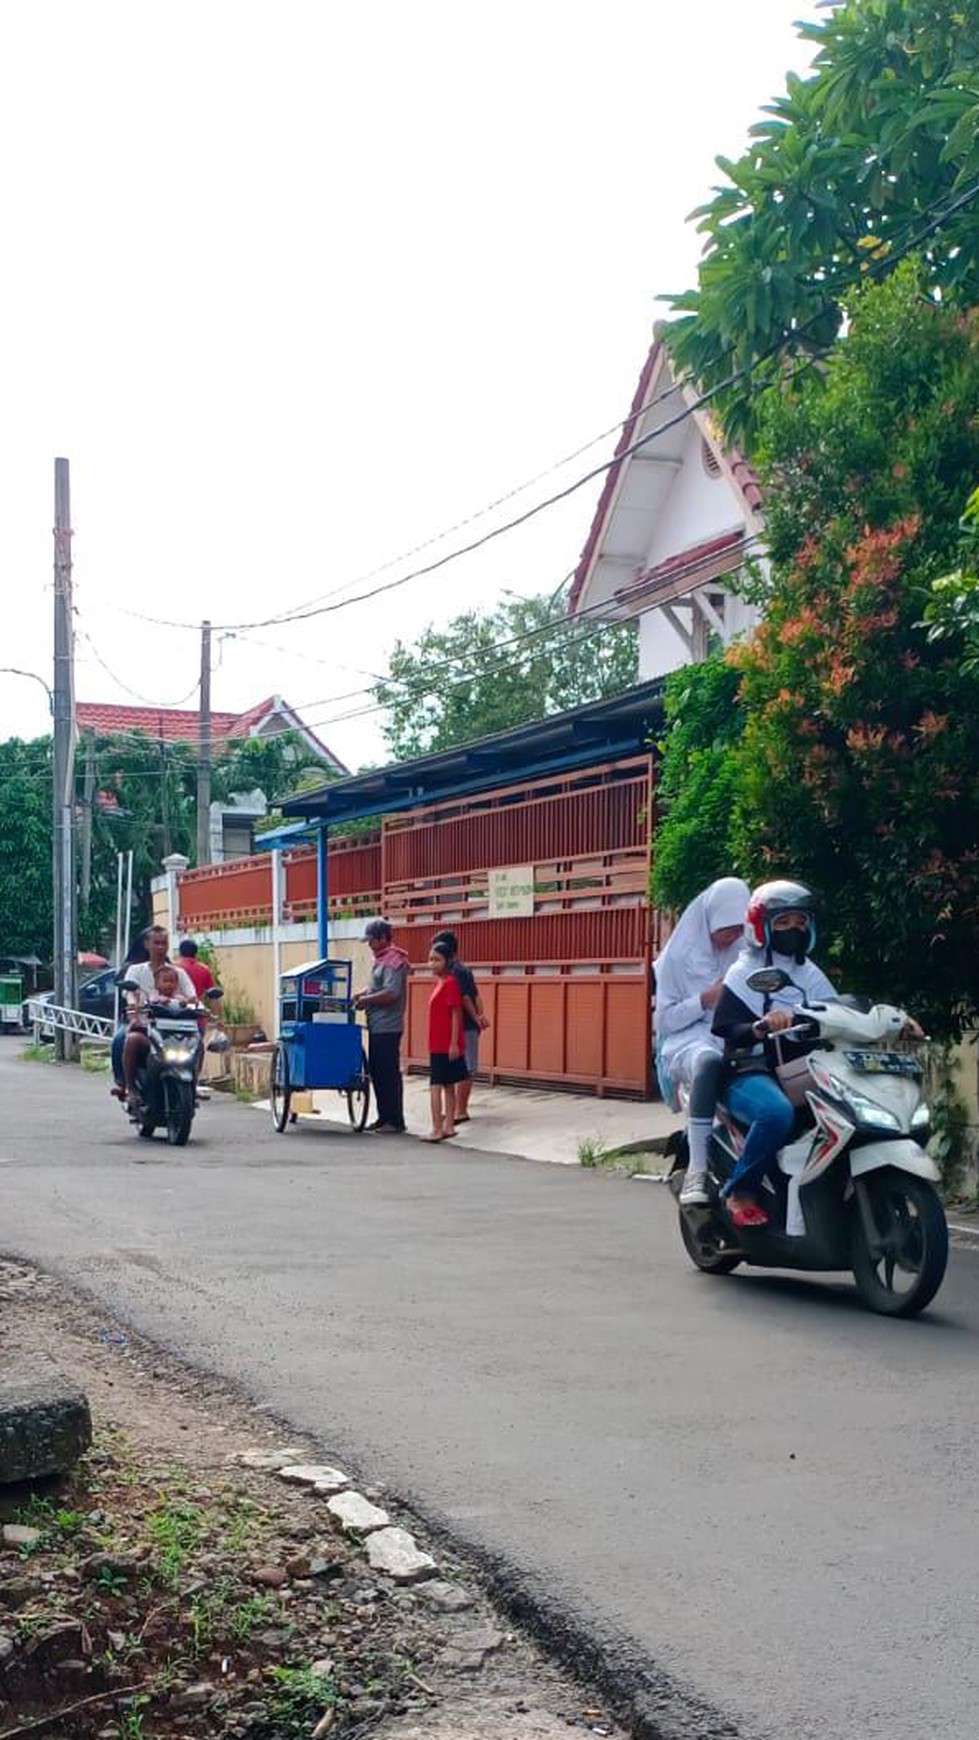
(907, 1268)
(180, 1111)
(705, 1248)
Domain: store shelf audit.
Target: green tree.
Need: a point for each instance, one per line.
(697, 789)
(855, 762)
(488, 670)
(25, 847)
(848, 166)
(952, 611)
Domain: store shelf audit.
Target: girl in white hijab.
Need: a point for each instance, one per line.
(689, 979)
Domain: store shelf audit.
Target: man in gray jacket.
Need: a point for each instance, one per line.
(384, 1002)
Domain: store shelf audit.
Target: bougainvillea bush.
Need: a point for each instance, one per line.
(852, 759)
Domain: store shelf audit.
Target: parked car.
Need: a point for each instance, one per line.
(96, 996)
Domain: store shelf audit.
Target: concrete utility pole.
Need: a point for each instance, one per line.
(204, 752)
(64, 760)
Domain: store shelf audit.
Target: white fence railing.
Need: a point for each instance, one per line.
(45, 1016)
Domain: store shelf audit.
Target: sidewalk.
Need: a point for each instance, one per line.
(536, 1123)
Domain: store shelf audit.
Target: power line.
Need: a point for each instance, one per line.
(478, 670)
(870, 268)
(146, 702)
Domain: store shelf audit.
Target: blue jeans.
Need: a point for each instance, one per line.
(758, 1100)
(118, 1045)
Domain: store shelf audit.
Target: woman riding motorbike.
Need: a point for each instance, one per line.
(689, 977)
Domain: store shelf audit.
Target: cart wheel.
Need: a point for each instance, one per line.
(359, 1097)
(280, 1090)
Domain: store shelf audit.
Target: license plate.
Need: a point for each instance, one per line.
(883, 1063)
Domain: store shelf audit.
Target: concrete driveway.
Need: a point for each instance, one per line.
(756, 1501)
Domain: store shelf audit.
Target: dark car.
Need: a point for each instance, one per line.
(97, 996)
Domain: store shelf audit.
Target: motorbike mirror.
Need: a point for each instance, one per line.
(768, 980)
(128, 985)
(213, 994)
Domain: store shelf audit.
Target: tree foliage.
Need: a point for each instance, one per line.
(850, 164)
(25, 847)
(854, 759)
(697, 789)
(145, 801)
(486, 671)
(952, 611)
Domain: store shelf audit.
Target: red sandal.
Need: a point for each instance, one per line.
(746, 1214)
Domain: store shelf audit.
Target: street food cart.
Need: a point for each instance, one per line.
(320, 1046)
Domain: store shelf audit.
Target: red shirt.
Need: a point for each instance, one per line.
(200, 976)
(445, 997)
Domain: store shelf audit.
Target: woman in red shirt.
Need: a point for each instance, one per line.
(446, 1061)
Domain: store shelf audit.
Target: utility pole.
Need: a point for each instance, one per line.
(204, 752)
(88, 801)
(64, 760)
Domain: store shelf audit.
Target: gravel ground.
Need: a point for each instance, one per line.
(168, 1589)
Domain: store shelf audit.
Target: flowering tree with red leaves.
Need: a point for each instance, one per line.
(854, 758)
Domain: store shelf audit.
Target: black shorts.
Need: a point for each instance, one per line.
(445, 1071)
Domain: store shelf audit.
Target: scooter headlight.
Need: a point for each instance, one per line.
(922, 1117)
(866, 1112)
(180, 1053)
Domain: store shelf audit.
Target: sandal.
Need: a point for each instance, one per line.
(746, 1214)
(439, 1138)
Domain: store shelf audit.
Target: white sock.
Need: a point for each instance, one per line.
(698, 1136)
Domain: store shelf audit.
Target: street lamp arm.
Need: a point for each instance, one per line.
(14, 671)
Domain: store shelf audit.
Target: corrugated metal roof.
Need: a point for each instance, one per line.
(585, 735)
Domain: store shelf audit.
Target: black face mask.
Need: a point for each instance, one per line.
(794, 943)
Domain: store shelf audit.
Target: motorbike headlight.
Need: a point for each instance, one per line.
(922, 1117)
(865, 1111)
(180, 1053)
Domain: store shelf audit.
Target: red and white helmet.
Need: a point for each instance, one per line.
(772, 898)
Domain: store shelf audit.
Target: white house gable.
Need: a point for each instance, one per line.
(675, 516)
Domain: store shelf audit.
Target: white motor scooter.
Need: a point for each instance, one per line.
(855, 1188)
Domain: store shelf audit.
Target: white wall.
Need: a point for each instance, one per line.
(698, 507)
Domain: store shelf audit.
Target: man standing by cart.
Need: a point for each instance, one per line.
(384, 1003)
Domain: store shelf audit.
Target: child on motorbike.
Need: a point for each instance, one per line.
(689, 978)
(167, 982)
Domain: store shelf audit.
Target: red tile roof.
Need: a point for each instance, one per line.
(172, 724)
(741, 471)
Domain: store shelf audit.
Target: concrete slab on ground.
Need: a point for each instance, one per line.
(532, 1123)
(542, 1125)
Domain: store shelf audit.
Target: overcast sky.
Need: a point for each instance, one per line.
(296, 286)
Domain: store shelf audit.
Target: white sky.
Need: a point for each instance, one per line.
(294, 286)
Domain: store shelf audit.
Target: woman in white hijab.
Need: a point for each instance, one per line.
(689, 979)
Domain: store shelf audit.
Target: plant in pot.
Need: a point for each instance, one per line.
(237, 1016)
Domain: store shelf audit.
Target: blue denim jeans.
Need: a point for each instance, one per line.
(118, 1046)
(758, 1100)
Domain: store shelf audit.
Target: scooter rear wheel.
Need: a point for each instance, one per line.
(705, 1249)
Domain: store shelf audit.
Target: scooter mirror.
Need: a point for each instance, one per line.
(213, 994)
(128, 985)
(768, 980)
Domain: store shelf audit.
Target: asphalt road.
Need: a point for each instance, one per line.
(751, 1495)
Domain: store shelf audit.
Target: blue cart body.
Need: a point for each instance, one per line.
(318, 1026)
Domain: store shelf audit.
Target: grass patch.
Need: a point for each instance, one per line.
(300, 1699)
(591, 1152)
(94, 1061)
(38, 1053)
